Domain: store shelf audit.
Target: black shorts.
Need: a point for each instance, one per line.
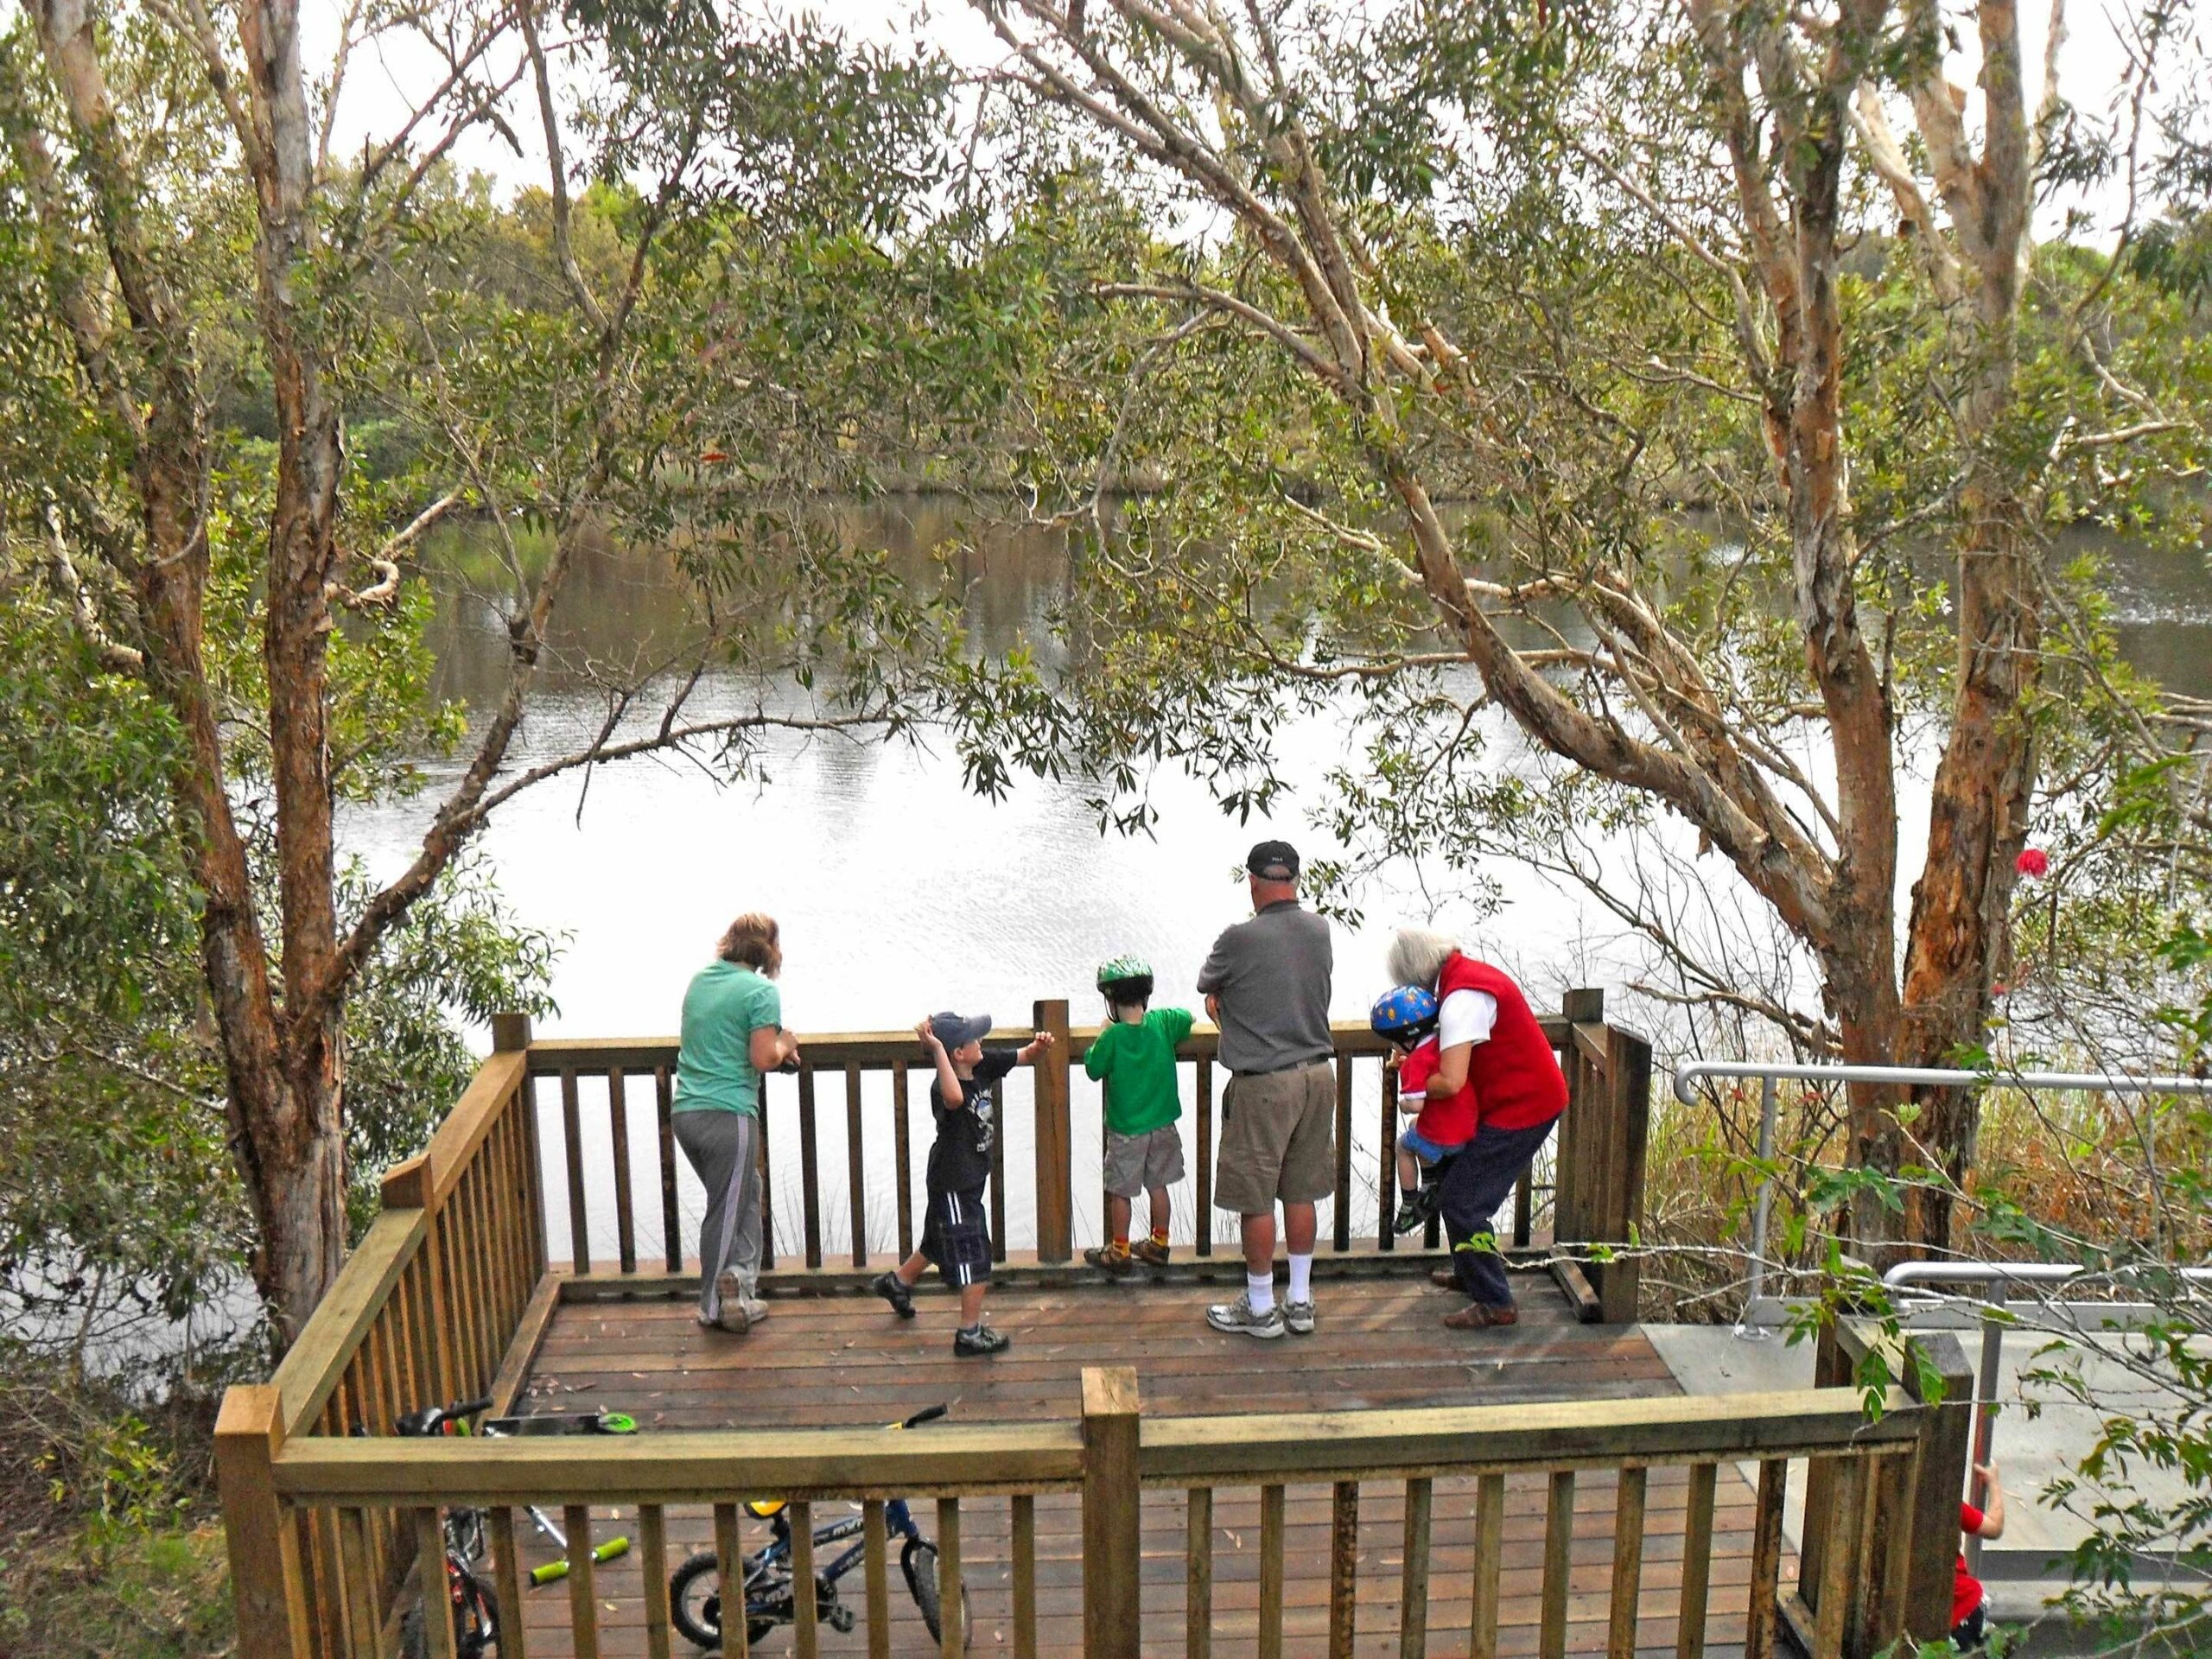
(957, 1236)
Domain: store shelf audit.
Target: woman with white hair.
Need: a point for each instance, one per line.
(1487, 1037)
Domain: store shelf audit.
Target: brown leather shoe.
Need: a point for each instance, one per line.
(1480, 1316)
(1444, 1278)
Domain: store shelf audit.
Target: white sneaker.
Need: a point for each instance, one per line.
(738, 1311)
(1297, 1319)
(1238, 1316)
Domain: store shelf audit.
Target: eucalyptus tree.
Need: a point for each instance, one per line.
(1581, 265)
(195, 231)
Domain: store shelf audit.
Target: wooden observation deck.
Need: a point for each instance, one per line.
(1125, 1480)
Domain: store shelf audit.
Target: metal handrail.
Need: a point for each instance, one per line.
(1688, 1074)
(1996, 1274)
(2000, 1275)
(2118, 1082)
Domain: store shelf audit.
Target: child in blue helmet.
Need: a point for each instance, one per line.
(1404, 1017)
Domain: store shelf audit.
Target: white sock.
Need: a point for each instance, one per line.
(1260, 1290)
(1301, 1279)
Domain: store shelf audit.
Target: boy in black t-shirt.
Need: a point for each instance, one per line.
(956, 1233)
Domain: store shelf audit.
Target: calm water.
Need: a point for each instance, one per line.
(900, 894)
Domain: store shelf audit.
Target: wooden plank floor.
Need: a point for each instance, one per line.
(834, 1360)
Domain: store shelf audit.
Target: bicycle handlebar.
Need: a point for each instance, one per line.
(433, 1420)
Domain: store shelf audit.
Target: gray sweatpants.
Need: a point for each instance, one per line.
(723, 1153)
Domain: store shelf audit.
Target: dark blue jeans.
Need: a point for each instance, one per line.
(1478, 1182)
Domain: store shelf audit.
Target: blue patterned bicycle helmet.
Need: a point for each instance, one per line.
(1404, 1013)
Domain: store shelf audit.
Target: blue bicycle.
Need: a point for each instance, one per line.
(694, 1588)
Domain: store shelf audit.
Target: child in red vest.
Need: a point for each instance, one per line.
(1969, 1601)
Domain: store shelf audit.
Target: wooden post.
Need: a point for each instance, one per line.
(1111, 1542)
(1939, 1476)
(1628, 1093)
(509, 1032)
(1055, 1180)
(264, 1548)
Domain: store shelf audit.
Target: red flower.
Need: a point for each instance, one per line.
(2032, 860)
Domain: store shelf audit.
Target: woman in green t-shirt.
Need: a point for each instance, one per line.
(733, 1032)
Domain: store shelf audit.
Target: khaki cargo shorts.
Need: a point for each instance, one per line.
(1135, 1163)
(1277, 1139)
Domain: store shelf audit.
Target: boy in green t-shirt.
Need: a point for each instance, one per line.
(1135, 1058)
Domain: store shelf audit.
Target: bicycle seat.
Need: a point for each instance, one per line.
(766, 1508)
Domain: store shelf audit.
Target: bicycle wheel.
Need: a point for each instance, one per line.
(694, 1602)
(918, 1560)
(475, 1619)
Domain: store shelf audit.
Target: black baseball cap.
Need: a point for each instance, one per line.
(1273, 860)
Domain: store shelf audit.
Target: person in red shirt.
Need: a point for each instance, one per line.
(1488, 1040)
(1969, 1601)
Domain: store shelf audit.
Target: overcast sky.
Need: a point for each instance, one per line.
(383, 81)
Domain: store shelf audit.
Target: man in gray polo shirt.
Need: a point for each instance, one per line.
(1267, 986)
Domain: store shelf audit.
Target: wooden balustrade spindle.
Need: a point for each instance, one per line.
(1198, 1575)
(1201, 1225)
(1023, 1521)
(357, 1564)
(730, 1570)
(572, 1134)
(1413, 1590)
(767, 1187)
(1490, 1545)
(903, 1156)
(1765, 1607)
(541, 1247)
(1558, 1560)
(431, 1567)
(875, 1566)
(672, 1221)
(1386, 1178)
(653, 1567)
(584, 1588)
(1832, 1617)
(1697, 1561)
(1342, 1206)
(809, 1172)
(951, 1616)
(510, 1581)
(998, 1178)
(856, 1174)
(1628, 1562)
(806, 1636)
(617, 1126)
(1344, 1569)
(1271, 1572)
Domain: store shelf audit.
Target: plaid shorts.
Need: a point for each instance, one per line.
(957, 1236)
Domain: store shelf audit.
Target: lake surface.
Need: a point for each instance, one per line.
(900, 893)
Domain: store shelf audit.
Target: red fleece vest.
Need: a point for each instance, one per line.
(1516, 1077)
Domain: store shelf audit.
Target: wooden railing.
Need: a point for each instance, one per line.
(426, 1310)
(1872, 1517)
(449, 1292)
(603, 1085)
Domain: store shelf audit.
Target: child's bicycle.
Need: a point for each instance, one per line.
(694, 1588)
(468, 1588)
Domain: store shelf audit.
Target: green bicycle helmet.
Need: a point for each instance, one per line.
(1125, 979)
